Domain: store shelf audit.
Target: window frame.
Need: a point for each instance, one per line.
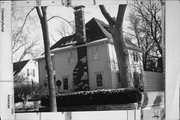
(95, 53)
(99, 83)
(135, 56)
(28, 72)
(65, 87)
(71, 57)
(33, 72)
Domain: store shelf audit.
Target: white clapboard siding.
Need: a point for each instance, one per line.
(153, 81)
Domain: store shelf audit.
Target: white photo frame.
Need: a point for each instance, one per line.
(171, 69)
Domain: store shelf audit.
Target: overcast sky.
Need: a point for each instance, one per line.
(90, 12)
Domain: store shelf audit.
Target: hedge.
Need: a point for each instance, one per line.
(96, 97)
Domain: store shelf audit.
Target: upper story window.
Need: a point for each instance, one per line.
(95, 53)
(33, 72)
(28, 72)
(65, 83)
(99, 79)
(71, 57)
(45, 83)
(135, 56)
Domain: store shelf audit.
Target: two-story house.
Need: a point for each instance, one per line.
(28, 69)
(87, 60)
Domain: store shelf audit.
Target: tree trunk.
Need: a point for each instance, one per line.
(119, 44)
(122, 57)
(49, 65)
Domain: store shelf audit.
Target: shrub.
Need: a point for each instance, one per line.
(96, 97)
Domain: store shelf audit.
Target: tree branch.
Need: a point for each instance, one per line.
(24, 22)
(110, 20)
(19, 48)
(120, 15)
(44, 9)
(28, 49)
(39, 12)
(72, 26)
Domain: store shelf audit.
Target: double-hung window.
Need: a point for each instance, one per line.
(95, 53)
(33, 72)
(99, 79)
(28, 72)
(65, 83)
(135, 56)
(71, 57)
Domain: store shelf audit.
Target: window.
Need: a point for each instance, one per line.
(33, 73)
(135, 56)
(27, 72)
(71, 57)
(45, 84)
(95, 53)
(99, 79)
(65, 83)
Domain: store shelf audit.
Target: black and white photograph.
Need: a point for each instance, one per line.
(89, 60)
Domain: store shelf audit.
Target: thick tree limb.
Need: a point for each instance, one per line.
(120, 15)
(39, 12)
(119, 44)
(110, 20)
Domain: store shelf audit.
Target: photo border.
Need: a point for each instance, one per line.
(74, 3)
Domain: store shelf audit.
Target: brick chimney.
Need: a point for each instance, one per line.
(80, 24)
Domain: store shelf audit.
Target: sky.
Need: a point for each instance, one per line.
(67, 13)
(90, 12)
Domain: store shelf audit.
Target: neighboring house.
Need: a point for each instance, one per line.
(27, 69)
(89, 61)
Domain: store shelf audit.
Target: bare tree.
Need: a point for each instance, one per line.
(69, 22)
(22, 42)
(65, 28)
(145, 23)
(119, 44)
(42, 13)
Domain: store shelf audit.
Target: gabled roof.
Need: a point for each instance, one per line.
(18, 66)
(95, 30)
